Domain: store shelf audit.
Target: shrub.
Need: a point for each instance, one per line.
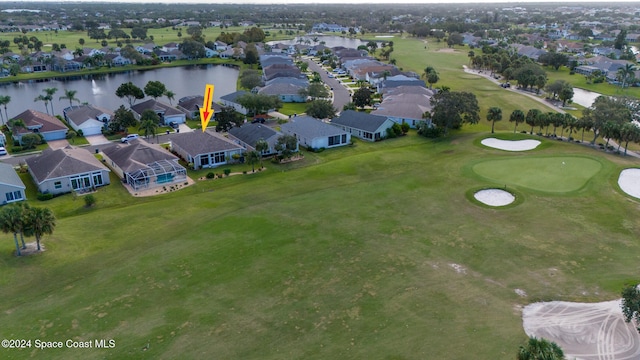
(210, 175)
(572, 72)
(45, 196)
(431, 132)
(16, 148)
(89, 200)
(227, 172)
(244, 172)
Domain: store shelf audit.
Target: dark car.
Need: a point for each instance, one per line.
(174, 124)
(258, 120)
(505, 85)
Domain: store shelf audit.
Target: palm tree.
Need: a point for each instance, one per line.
(540, 349)
(40, 221)
(43, 99)
(494, 114)
(25, 208)
(4, 100)
(170, 95)
(70, 95)
(49, 95)
(252, 157)
(261, 146)
(626, 72)
(10, 222)
(517, 116)
(148, 127)
(531, 118)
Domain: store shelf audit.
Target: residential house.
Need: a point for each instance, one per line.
(210, 52)
(230, 100)
(167, 113)
(287, 92)
(68, 169)
(117, 60)
(529, 51)
(315, 134)
(406, 104)
(205, 149)
(281, 70)
(144, 165)
(88, 119)
(362, 125)
(11, 187)
(35, 122)
(399, 80)
(248, 135)
(220, 46)
(192, 104)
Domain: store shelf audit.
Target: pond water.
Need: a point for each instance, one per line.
(100, 90)
(584, 97)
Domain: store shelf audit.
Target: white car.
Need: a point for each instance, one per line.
(129, 137)
(3, 151)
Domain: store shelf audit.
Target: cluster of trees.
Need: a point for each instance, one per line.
(450, 109)
(153, 88)
(524, 70)
(259, 103)
(22, 219)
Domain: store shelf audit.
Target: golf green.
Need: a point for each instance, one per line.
(557, 174)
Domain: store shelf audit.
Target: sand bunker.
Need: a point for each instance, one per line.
(510, 145)
(494, 197)
(584, 331)
(629, 182)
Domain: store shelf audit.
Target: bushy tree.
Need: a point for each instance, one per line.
(286, 145)
(122, 119)
(362, 97)
(321, 109)
(451, 109)
(155, 89)
(259, 103)
(130, 91)
(250, 79)
(228, 118)
(540, 349)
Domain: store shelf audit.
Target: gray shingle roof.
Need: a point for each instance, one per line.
(9, 176)
(194, 103)
(52, 164)
(308, 127)
(233, 96)
(251, 133)
(280, 89)
(359, 120)
(136, 155)
(33, 118)
(155, 106)
(198, 142)
(81, 114)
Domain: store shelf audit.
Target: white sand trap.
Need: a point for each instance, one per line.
(510, 145)
(584, 331)
(494, 197)
(629, 182)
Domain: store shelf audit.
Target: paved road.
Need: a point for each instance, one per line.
(341, 95)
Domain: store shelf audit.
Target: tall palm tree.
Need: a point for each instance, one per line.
(170, 95)
(261, 146)
(252, 158)
(49, 95)
(39, 221)
(10, 220)
(45, 100)
(540, 349)
(494, 114)
(148, 127)
(625, 73)
(4, 101)
(517, 117)
(71, 96)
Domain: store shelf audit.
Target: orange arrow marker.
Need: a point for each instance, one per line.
(205, 110)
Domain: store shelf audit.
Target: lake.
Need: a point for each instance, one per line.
(100, 90)
(584, 97)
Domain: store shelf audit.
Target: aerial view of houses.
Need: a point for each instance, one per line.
(375, 180)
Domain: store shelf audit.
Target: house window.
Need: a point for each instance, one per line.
(334, 140)
(204, 161)
(97, 179)
(57, 184)
(344, 138)
(219, 158)
(13, 196)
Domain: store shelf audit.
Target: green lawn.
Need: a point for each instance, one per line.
(349, 253)
(293, 108)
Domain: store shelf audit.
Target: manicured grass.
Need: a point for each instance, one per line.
(556, 174)
(348, 253)
(293, 108)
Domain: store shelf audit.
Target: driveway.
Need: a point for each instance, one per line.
(58, 144)
(341, 95)
(97, 139)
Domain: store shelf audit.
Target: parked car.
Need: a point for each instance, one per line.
(129, 137)
(174, 125)
(3, 151)
(505, 85)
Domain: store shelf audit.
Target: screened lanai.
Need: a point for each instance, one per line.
(157, 173)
